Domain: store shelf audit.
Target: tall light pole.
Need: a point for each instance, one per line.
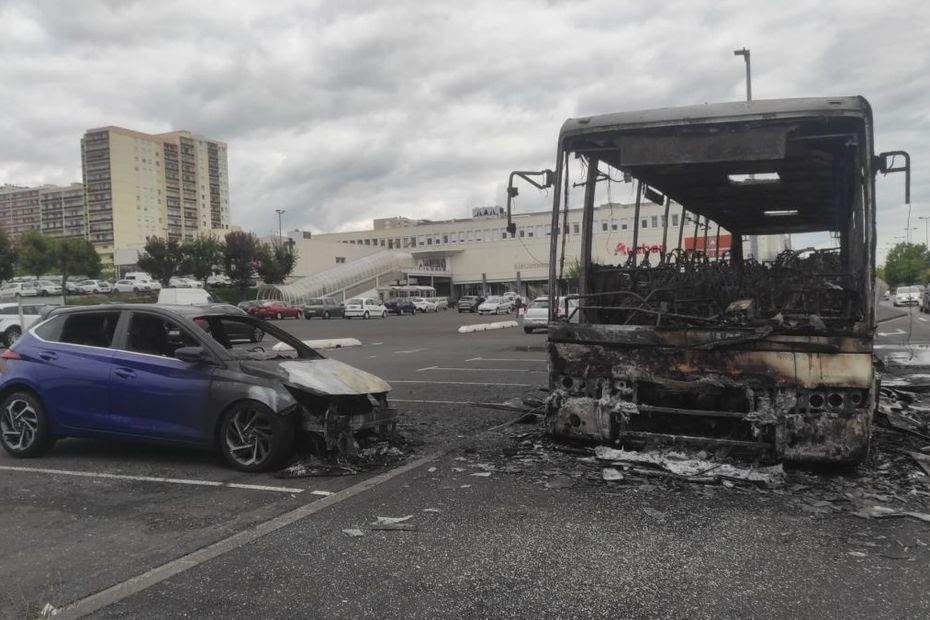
(926, 219)
(753, 239)
(280, 212)
(745, 54)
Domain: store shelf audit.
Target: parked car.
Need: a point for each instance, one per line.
(907, 296)
(130, 286)
(537, 313)
(323, 307)
(178, 282)
(274, 309)
(95, 287)
(468, 303)
(925, 298)
(143, 279)
(495, 305)
(10, 327)
(424, 304)
(47, 288)
(18, 289)
(218, 280)
(365, 307)
(442, 303)
(172, 375)
(400, 305)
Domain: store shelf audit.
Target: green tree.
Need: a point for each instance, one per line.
(7, 257)
(36, 253)
(161, 259)
(906, 264)
(240, 256)
(77, 256)
(276, 261)
(201, 256)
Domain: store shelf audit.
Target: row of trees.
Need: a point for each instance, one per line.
(37, 254)
(906, 263)
(240, 255)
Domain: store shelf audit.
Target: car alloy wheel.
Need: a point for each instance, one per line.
(367, 315)
(384, 314)
(325, 314)
(254, 438)
(23, 425)
(278, 316)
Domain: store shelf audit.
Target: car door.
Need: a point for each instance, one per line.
(152, 393)
(73, 358)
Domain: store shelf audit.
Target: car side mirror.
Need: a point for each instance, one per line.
(192, 355)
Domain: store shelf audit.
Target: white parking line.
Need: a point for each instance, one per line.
(408, 352)
(478, 369)
(462, 383)
(921, 318)
(434, 402)
(192, 482)
(505, 359)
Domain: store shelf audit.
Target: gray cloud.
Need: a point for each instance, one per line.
(341, 112)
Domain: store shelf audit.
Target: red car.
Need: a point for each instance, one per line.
(271, 309)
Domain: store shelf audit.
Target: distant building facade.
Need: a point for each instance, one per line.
(55, 211)
(136, 185)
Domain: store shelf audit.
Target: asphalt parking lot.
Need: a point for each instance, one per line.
(141, 531)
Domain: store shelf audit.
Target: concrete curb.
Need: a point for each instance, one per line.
(331, 343)
(481, 327)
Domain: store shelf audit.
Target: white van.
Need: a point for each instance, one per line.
(184, 296)
(143, 278)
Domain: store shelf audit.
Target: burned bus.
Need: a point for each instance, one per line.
(674, 343)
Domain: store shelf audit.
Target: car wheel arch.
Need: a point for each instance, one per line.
(238, 400)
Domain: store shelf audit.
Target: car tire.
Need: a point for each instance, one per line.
(11, 335)
(254, 438)
(366, 315)
(22, 413)
(326, 314)
(384, 314)
(257, 335)
(527, 330)
(278, 316)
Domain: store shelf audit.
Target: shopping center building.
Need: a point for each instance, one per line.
(476, 255)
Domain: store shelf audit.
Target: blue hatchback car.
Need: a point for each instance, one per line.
(188, 375)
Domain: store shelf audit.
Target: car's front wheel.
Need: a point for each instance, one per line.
(325, 314)
(367, 315)
(24, 430)
(278, 316)
(384, 314)
(527, 330)
(254, 438)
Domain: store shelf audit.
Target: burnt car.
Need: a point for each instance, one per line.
(684, 333)
(175, 375)
(400, 305)
(324, 308)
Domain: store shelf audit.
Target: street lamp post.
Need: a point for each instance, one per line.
(753, 239)
(745, 54)
(280, 212)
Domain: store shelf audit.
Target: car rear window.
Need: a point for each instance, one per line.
(92, 329)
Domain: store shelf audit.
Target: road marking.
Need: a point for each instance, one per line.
(920, 318)
(504, 359)
(324, 493)
(408, 352)
(479, 369)
(462, 383)
(187, 481)
(134, 585)
(435, 402)
(376, 343)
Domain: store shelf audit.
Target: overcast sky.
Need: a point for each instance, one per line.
(340, 112)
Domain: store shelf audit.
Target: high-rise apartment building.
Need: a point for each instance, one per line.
(55, 211)
(138, 185)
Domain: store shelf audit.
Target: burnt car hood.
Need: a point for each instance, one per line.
(324, 376)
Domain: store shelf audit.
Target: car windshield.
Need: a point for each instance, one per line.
(542, 302)
(908, 289)
(250, 339)
(315, 302)
(494, 299)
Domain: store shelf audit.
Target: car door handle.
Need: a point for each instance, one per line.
(48, 356)
(125, 373)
